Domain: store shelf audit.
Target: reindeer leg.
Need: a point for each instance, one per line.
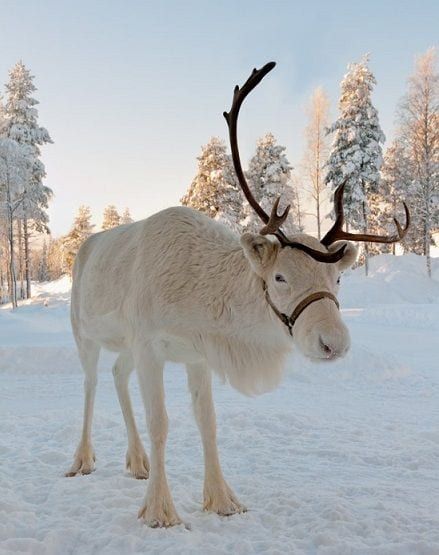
(158, 509)
(84, 456)
(136, 458)
(218, 497)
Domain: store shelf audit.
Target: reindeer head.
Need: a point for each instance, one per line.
(301, 275)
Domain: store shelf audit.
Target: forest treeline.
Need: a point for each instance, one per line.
(349, 149)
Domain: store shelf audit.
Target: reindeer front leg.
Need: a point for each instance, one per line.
(158, 509)
(218, 497)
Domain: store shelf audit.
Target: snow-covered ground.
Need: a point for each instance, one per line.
(341, 459)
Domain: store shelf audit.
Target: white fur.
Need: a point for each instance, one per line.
(181, 287)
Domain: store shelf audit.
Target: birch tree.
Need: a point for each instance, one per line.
(316, 152)
(419, 133)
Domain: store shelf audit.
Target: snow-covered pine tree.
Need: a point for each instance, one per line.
(126, 217)
(2, 117)
(14, 175)
(269, 176)
(419, 133)
(356, 153)
(386, 204)
(55, 258)
(295, 223)
(214, 189)
(21, 125)
(111, 217)
(43, 271)
(81, 230)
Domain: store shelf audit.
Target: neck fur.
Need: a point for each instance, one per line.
(251, 343)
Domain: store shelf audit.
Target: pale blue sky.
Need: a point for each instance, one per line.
(131, 90)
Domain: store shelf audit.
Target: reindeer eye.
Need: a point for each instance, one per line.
(338, 280)
(280, 278)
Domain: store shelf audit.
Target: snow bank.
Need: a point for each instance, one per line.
(391, 280)
(57, 288)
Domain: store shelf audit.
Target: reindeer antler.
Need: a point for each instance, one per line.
(274, 221)
(239, 95)
(336, 232)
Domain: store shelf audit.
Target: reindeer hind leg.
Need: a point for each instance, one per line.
(136, 458)
(84, 456)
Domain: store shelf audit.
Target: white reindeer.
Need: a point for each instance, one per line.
(181, 287)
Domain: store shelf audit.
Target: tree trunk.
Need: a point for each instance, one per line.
(366, 245)
(1, 285)
(13, 278)
(427, 253)
(20, 259)
(428, 262)
(318, 185)
(318, 217)
(27, 258)
(394, 212)
(8, 273)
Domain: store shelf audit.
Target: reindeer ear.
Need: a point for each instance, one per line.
(349, 256)
(260, 252)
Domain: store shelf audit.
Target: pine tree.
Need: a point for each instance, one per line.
(387, 203)
(111, 217)
(214, 189)
(55, 258)
(356, 153)
(295, 218)
(419, 133)
(2, 118)
(126, 217)
(21, 125)
(316, 152)
(81, 230)
(43, 271)
(269, 176)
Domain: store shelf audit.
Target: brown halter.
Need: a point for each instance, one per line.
(289, 321)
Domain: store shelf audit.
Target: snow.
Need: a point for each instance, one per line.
(341, 459)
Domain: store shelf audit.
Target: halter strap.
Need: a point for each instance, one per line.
(289, 321)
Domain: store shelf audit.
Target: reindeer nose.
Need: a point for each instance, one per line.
(328, 350)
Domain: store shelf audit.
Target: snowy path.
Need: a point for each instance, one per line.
(341, 459)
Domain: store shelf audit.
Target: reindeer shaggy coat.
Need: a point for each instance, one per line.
(181, 287)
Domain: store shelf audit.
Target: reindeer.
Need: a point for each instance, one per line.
(181, 287)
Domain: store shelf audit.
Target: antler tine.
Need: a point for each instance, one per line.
(276, 220)
(273, 228)
(402, 232)
(337, 227)
(336, 232)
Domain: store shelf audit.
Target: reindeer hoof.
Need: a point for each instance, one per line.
(223, 502)
(137, 464)
(160, 514)
(83, 463)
